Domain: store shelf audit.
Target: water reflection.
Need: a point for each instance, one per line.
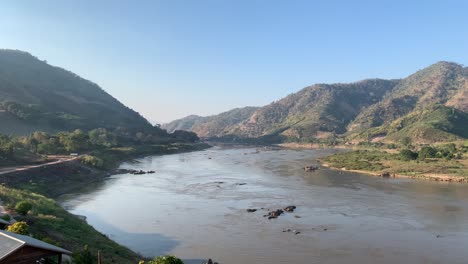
(146, 244)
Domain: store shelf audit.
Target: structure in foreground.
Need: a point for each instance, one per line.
(21, 249)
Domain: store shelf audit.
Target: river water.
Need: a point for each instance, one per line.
(194, 207)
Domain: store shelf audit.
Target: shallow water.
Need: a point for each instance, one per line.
(194, 207)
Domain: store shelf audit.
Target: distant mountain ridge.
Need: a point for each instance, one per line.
(212, 126)
(37, 96)
(361, 110)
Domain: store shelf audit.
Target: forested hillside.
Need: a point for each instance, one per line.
(428, 106)
(37, 96)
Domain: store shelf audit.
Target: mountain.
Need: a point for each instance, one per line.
(37, 96)
(429, 105)
(314, 111)
(442, 83)
(212, 126)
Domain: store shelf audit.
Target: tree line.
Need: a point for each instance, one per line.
(17, 147)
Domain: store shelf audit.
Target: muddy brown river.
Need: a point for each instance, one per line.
(194, 207)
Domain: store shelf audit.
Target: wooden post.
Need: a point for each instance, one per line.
(60, 259)
(99, 257)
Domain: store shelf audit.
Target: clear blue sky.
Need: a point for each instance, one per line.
(168, 59)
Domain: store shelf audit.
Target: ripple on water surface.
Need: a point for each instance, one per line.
(194, 206)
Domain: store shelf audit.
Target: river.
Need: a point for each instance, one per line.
(194, 207)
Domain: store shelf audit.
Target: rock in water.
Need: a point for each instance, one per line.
(290, 208)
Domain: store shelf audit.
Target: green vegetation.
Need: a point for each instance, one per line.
(424, 108)
(29, 149)
(427, 152)
(50, 222)
(83, 256)
(23, 207)
(20, 228)
(407, 155)
(38, 96)
(6, 217)
(445, 161)
(359, 160)
(164, 260)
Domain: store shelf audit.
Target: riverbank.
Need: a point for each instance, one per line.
(381, 163)
(61, 178)
(341, 217)
(50, 222)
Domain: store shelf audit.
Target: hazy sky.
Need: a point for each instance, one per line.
(168, 59)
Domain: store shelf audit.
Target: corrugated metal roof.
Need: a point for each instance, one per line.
(8, 245)
(9, 242)
(4, 222)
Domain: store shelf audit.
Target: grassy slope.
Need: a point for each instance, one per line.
(51, 99)
(377, 162)
(49, 220)
(433, 124)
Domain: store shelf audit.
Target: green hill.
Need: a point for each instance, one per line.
(441, 83)
(435, 123)
(37, 96)
(428, 106)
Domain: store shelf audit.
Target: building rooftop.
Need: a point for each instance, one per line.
(11, 242)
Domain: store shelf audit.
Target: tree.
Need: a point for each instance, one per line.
(33, 143)
(408, 155)
(20, 228)
(83, 257)
(74, 141)
(427, 152)
(406, 141)
(168, 259)
(101, 136)
(6, 147)
(23, 207)
(92, 161)
(186, 136)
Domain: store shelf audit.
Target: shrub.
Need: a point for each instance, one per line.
(20, 228)
(392, 146)
(408, 155)
(427, 152)
(92, 161)
(6, 217)
(406, 141)
(166, 260)
(83, 257)
(23, 207)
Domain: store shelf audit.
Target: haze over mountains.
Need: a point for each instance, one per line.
(428, 106)
(37, 96)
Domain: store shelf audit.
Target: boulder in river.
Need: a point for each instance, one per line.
(290, 208)
(251, 210)
(274, 214)
(310, 168)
